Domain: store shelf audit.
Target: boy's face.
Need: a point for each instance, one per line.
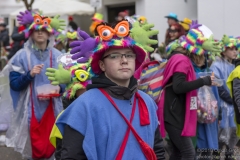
(230, 53)
(116, 66)
(40, 36)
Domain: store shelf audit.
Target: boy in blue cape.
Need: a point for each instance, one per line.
(110, 118)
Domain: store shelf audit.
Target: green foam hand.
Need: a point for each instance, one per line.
(58, 76)
(57, 23)
(225, 39)
(142, 33)
(212, 46)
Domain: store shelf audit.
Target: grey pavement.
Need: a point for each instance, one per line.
(9, 154)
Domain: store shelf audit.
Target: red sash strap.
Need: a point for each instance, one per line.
(124, 143)
(40, 131)
(143, 111)
(146, 149)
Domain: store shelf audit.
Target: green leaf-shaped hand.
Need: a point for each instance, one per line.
(211, 45)
(58, 76)
(225, 39)
(142, 33)
(57, 24)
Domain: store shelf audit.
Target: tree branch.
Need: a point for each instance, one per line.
(31, 3)
(28, 5)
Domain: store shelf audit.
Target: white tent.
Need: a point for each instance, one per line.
(56, 7)
(61, 7)
(9, 6)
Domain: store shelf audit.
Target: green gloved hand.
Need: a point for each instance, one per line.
(225, 39)
(57, 24)
(142, 33)
(211, 45)
(58, 76)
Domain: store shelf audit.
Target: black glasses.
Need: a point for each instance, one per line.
(119, 56)
(172, 31)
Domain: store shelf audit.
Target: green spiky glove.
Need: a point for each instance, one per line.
(225, 39)
(142, 33)
(213, 55)
(211, 46)
(57, 24)
(58, 76)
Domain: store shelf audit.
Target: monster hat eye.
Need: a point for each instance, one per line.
(38, 19)
(122, 29)
(46, 21)
(105, 32)
(81, 75)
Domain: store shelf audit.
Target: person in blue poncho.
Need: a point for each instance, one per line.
(222, 67)
(34, 116)
(206, 133)
(112, 119)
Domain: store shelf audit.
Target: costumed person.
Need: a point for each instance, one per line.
(36, 102)
(4, 36)
(18, 37)
(174, 32)
(233, 86)
(121, 15)
(208, 108)
(177, 108)
(222, 67)
(186, 24)
(76, 76)
(72, 26)
(172, 19)
(96, 19)
(60, 42)
(65, 39)
(117, 102)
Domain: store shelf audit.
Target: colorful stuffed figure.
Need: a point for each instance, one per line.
(75, 75)
(37, 21)
(82, 50)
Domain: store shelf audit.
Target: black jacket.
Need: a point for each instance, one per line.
(18, 41)
(175, 97)
(4, 37)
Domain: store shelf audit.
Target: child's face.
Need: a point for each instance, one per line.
(230, 53)
(118, 67)
(40, 36)
(174, 33)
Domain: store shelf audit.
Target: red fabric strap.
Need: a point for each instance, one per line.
(124, 143)
(147, 150)
(143, 110)
(40, 131)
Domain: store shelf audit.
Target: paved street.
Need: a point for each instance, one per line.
(9, 154)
